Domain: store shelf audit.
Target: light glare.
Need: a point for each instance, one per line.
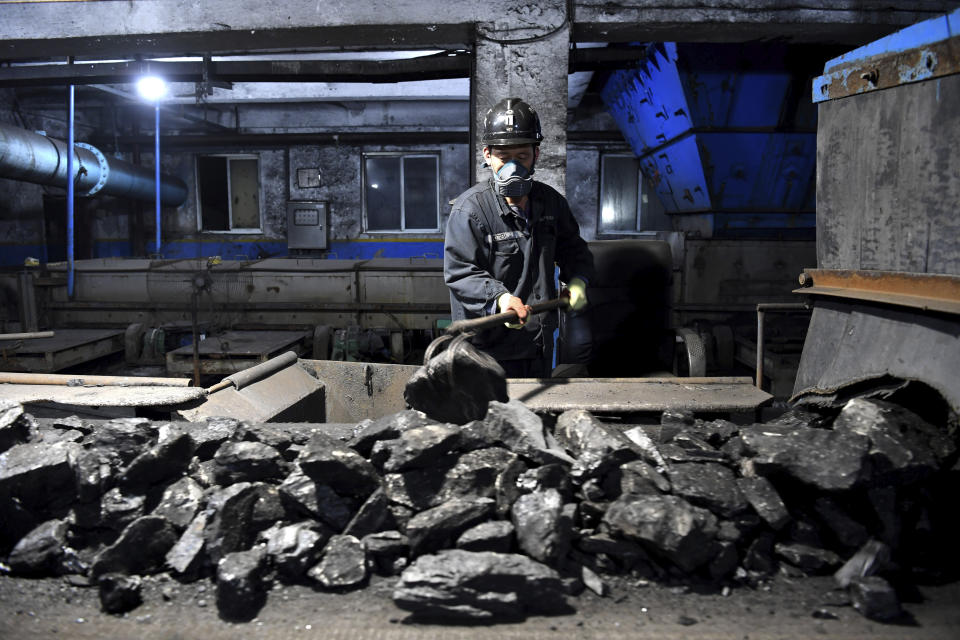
(152, 87)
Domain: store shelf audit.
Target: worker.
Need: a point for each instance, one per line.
(503, 239)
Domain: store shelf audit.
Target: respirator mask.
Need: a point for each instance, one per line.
(512, 180)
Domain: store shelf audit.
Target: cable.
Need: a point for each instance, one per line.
(563, 25)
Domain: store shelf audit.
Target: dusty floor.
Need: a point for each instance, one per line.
(51, 608)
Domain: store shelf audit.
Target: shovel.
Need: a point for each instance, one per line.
(458, 381)
(469, 328)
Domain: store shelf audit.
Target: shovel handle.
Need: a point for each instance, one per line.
(487, 322)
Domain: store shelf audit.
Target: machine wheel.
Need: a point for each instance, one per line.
(694, 355)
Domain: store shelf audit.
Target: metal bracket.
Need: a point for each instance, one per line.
(104, 167)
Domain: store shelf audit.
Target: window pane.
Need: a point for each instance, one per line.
(618, 207)
(244, 193)
(420, 192)
(382, 191)
(212, 185)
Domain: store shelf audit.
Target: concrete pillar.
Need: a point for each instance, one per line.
(526, 58)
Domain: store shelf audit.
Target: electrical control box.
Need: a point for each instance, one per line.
(307, 224)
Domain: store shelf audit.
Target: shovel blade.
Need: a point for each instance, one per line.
(457, 384)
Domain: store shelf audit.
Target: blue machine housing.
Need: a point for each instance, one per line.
(727, 131)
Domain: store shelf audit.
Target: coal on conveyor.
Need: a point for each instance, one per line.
(497, 518)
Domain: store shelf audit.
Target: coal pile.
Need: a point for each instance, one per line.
(496, 519)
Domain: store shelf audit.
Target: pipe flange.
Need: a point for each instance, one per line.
(104, 167)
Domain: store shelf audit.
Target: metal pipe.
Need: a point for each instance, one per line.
(30, 335)
(70, 194)
(247, 377)
(84, 380)
(156, 167)
(36, 158)
(759, 348)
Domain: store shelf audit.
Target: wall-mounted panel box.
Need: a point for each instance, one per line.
(307, 224)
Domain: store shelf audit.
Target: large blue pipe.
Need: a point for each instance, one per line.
(33, 157)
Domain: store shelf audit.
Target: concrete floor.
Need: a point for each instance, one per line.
(50, 608)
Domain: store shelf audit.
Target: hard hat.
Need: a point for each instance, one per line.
(511, 121)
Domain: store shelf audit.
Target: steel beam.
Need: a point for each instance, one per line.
(930, 292)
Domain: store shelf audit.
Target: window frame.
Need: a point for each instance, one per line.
(641, 191)
(229, 157)
(436, 155)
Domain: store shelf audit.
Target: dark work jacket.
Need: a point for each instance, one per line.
(490, 251)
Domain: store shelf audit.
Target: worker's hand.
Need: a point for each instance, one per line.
(508, 302)
(577, 289)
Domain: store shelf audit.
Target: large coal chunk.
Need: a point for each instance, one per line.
(708, 485)
(119, 593)
(16, 523)
(666, 525)
(372, 516)
(40, 476)
(902, 444)
(210, 435)
(310, 498)
(121, 440)
(517, 428)
(765, 500)
(494, 536)
(140, 549)
(474, 475)
(627, 554)
(344, 564)
(808, 559)
(638, 477)
(119, 509)
(38, 553)
(417, 489)
(295, 548)
(331, 463)
(844, 527)
(13, 429)
(388, 550)
(187, 556)
(247, 462)
(457, 384)
(416, 448)
(369, 432)
(168, 459)
(231, 528)
(437, 527)
(875, 598)
(826, 460)
(180, 502)
(241, 591)
(548, 476)
(597, 448)
(465, 585)
(544, 525)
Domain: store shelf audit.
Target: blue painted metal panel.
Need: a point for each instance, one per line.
(918, 35)
(750, 171)
(14, 255)
(717, 129)
(648, 102)
(837, 71)
(677, 172)
(353, 250)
